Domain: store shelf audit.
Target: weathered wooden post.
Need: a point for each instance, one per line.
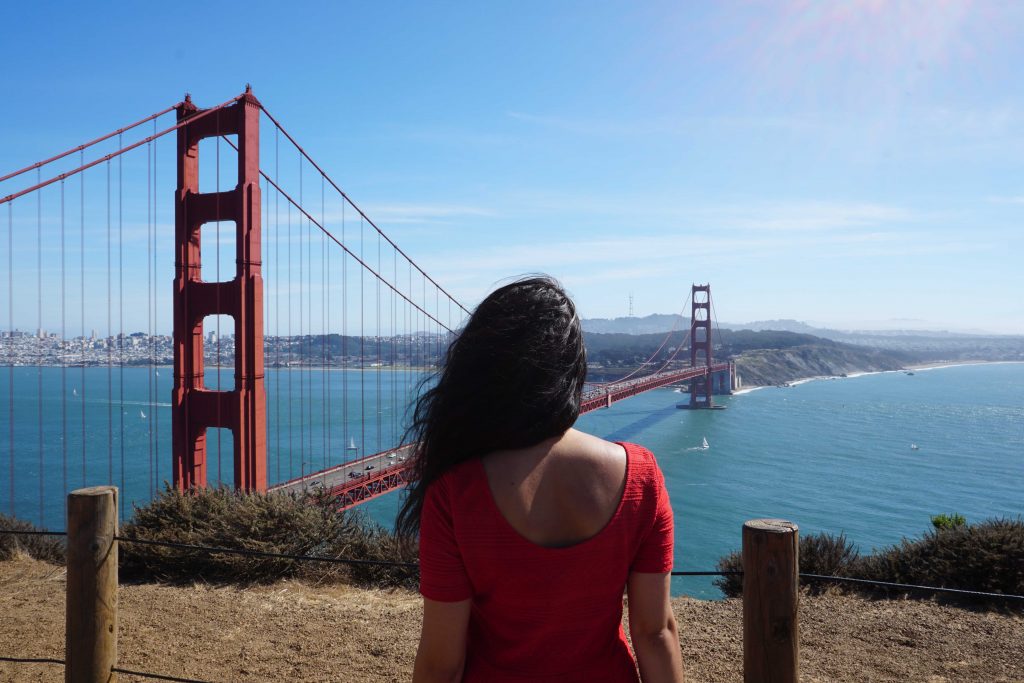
(771, 647)
(91, 607)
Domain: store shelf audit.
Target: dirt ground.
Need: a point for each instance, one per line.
(297, 632)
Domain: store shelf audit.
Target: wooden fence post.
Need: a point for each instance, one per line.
(771, 647)
(91, 607)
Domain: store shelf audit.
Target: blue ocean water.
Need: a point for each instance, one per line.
(830, 455)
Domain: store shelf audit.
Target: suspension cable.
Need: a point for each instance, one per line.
(184, 122)
(355, 206)
(357, 259)
(86, 145)
(679, 319)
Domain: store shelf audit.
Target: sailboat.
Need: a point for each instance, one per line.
(914, 447)
(352, 445)
(704, 444)
(74, 391)
(142, 414)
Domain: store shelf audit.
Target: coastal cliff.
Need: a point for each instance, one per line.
(764, 367)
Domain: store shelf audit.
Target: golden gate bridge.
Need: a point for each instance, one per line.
(309, 285)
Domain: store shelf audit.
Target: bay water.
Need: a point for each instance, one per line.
(829, 455)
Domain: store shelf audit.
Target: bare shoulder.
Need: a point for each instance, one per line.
(580, 448)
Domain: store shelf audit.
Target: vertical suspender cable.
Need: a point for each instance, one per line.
(324, 326)
(394, 351)
(63, 349)
(302, 341)
(291, 350)
(309, 329)
(109, 345)
(277, 309)
(120, 315)
(149, 304)
(380, 408)
(81, 301)
(269, 285)
(344, 339)
(10, 366)
(154, 412)
(40, 342)
(410, 337)
(362, 346)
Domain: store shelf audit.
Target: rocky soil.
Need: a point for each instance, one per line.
(297, 632)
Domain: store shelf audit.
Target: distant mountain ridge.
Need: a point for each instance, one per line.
(926, 345)
(661, 322)
(649, 324)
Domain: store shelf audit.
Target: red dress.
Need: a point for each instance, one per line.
(542, 614)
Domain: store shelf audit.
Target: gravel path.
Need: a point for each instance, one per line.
(292, 631)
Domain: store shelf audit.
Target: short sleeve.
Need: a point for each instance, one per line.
(442, 572)
(655, 553)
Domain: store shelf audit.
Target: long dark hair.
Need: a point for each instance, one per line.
(511, 378)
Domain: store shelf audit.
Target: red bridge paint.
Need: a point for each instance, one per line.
(194, 407)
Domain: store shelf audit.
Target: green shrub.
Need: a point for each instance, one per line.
(307, 524)
(819, 554)
(988, 557)
(45, 548)
(950, 521)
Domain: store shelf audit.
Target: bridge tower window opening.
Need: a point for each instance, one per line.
(220, 447)
(218, 163)
(219, 250)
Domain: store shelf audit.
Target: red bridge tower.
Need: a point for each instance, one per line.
(195, 408)
(700, 341)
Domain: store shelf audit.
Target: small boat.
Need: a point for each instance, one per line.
(74, 392)
(914, 447)
(352, 445)
(704, 444)
(142, 414)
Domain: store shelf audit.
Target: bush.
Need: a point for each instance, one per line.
(307, 524)
(988, 557)
(819, 554)
(45, 548)
(950, 521)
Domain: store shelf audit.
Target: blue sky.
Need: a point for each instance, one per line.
(856, 164)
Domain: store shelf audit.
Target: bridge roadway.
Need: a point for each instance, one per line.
(360, 480)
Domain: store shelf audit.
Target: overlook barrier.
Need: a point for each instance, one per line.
(771, 580)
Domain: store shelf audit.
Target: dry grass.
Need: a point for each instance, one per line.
(293, 631)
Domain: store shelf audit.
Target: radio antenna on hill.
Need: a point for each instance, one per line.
(631, 304)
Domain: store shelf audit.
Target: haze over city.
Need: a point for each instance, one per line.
(853, 165)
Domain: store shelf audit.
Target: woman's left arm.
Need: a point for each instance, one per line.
(442, 651)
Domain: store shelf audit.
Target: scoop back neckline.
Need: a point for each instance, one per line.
(495, 510)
